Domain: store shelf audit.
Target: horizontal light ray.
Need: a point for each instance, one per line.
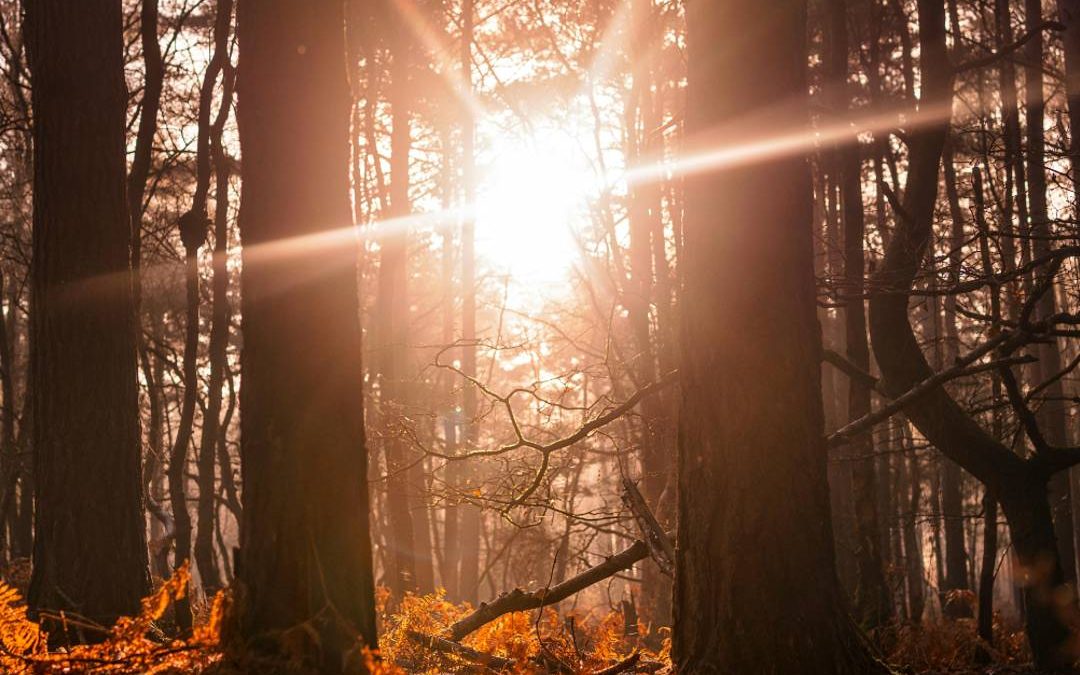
(722, 154)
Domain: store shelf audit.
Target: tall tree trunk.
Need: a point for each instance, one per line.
(89, 543)
(469, 546)
(644, 216)
(913, 550)
(1052, 414)
(873, 606)
(305, 549)
(952, 501)
(212, 157)
(755, 581)
(392, 317)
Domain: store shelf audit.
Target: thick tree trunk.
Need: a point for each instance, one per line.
(755, 583)
(89, 546)
(305, 551)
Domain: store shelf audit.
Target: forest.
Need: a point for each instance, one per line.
(539, 336)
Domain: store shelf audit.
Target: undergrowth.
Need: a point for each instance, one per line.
(522, 642)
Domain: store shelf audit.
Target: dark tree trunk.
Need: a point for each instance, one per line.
(873, 606)
(1052, 414)
(305, 551)
(178, 464)
(89, 545)
(988, 570)
(644, 218)
(1019, 484)
(755, 582)
(211, 155)
(952, 501)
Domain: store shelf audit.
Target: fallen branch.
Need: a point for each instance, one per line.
(518, 600)
(622, 666)
(440, 644)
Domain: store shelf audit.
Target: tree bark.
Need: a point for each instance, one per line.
(90, 553)
(755, 582)
(305, 551)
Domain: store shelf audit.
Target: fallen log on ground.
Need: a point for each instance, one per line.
(496, 663)
(518, 600)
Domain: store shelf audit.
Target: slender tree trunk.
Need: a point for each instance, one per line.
(873, 607)
(755, 582)
(392, 316)
(305, 551)
(952, 502)
(89, 545)
(913, 550)
(212, 157)
(469, 546)
(1052, 414)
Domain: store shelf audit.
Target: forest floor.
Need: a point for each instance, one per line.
(412, 640)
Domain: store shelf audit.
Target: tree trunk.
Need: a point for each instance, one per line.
(393, 329)
(468, 548)
(1052, 414)
(873, 607)
(89, 545)
(211, 158)
(305, 551)
(755, 582)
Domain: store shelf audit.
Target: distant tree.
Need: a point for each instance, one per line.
(90, 555)
(305, 551)
(755, 582)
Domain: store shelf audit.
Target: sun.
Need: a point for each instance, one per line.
(531, 199)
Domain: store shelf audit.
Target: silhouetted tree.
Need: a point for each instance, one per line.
(90, 553)
(755, 581)
(305, 553)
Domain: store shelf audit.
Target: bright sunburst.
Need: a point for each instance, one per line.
(531, 200)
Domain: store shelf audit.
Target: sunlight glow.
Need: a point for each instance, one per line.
(529, 199)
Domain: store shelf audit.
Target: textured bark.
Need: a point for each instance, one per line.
(755, 582)
(89, 544)
(305, 552)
